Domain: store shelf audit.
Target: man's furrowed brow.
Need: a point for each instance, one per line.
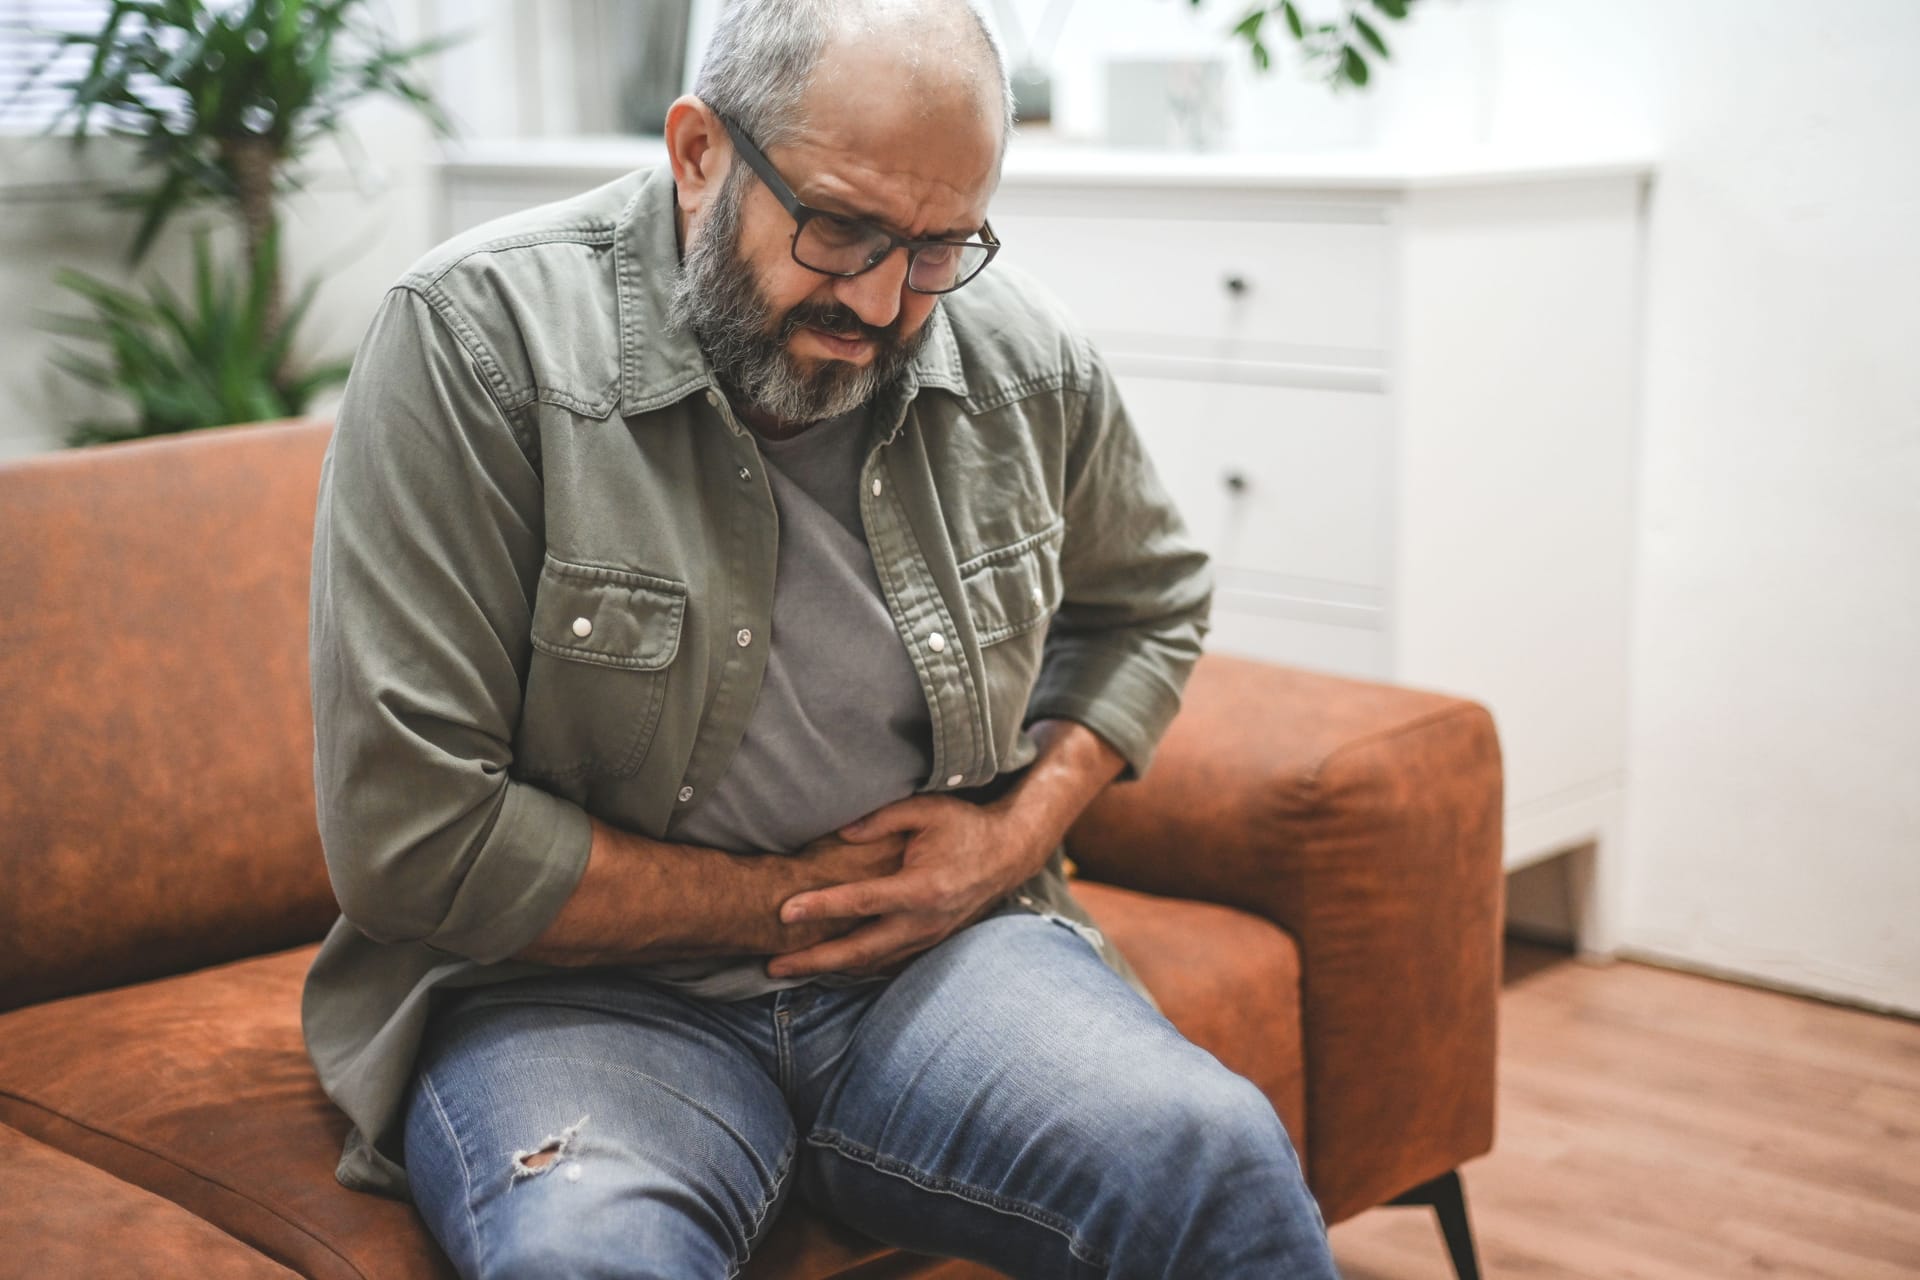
(843, 209)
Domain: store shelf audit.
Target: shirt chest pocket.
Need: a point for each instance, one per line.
(1012, 594)
(604, 642)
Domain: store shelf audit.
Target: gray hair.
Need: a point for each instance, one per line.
(764, 53)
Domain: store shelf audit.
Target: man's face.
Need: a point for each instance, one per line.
(795, 345)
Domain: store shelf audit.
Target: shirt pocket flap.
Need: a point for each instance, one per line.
(1015, 588)
(613, 617)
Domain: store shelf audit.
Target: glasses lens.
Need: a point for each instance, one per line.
(941, 267)
(839, 245)
(846, 246)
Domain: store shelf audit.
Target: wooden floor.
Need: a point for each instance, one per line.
(1655, 1124)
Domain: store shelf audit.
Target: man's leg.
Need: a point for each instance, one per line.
(575, 1126)
(1009, 1099)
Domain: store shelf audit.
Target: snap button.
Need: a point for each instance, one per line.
(1037, 597)
(937, 642)
(743, 637)
(713, 397)
(745, 474)
(876, 486)
(583, 627)
(956, 780)
(686, 794)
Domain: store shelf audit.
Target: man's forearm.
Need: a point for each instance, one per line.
(1075, 764)
(642, 900)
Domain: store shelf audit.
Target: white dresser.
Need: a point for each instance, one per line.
(1397, 402)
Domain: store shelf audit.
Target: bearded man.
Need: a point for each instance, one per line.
(727, 590)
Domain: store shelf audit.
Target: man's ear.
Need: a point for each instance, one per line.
(699, 151)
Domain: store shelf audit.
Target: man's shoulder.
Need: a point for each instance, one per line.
(1016, 337)
(534, 293)
(529, 239)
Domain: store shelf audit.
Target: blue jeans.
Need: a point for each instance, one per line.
(1005, 1098)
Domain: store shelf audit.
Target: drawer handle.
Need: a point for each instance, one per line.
(1237, 285)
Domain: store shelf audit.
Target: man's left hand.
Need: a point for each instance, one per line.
(961, 859)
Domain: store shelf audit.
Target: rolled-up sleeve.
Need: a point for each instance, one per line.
(1137, 588)
(428, 537)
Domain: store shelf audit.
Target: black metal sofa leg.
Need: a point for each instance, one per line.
(1449, 1201)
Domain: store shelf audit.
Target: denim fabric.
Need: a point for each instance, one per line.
(1007, 1098)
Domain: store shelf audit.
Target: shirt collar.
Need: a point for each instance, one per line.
(660, 362)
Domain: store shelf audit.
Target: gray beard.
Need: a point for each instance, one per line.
(715, 297)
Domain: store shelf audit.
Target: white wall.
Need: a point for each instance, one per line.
(1773, 826)
(1774, 821)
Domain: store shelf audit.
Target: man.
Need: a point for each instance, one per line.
(727, 592)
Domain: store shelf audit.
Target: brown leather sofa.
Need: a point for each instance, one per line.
(1309, 879)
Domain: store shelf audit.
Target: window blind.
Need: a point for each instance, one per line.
(21, 51)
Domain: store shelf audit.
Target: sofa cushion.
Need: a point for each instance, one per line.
(62, 1217)
(198, 1088)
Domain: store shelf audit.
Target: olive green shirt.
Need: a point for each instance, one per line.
(543, 571)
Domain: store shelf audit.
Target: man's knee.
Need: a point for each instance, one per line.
(580, 1204)
(573, 1230)
(1206, 1133)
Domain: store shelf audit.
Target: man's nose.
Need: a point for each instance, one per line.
(874, 295)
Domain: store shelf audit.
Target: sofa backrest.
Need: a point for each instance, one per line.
(156, 729)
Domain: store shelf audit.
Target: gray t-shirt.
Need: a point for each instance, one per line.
(841, 727)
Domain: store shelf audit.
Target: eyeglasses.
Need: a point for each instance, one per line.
(836, 245)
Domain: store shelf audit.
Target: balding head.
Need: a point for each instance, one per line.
(774, 65)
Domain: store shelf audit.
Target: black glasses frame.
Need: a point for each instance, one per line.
(804, 213)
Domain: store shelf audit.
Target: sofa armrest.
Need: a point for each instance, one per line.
(1366, 820)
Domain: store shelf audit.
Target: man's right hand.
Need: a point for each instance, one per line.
(821, 864)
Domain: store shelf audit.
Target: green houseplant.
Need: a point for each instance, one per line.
(223, 101)
(1339, 47)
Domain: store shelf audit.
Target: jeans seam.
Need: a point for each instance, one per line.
(780, 1176)
(466, 1172)
(954, 1187)
(783, 1055)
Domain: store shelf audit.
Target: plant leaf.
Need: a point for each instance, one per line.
(1352, 65)
(1371, 36)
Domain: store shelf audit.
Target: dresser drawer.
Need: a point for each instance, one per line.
(1229, 289)
(1282, 481)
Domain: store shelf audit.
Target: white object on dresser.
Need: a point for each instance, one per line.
(1397, 401)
